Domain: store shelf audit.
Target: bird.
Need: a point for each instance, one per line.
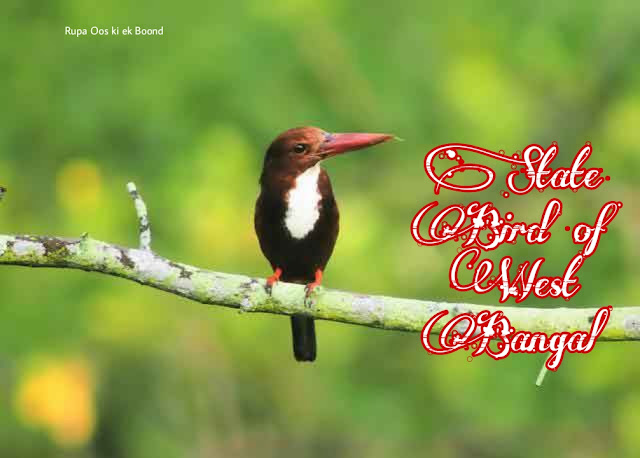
(296, 216)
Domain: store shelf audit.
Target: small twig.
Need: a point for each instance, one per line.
(541, 375)
(143, 221)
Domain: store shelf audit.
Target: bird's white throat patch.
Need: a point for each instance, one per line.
(302, 203)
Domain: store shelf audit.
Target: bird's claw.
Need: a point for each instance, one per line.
(308, 290)
(308, 301)
(268, 288)
(269, 285)
(272, 280)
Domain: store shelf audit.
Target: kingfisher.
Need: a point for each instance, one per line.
(296, 216)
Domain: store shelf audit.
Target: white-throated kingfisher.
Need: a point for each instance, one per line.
(296, 215)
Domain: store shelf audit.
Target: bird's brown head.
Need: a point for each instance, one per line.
(296, 150)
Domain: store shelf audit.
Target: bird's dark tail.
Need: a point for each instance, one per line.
(303, 330)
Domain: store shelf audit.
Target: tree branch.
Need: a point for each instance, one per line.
(144, 228)
(249, 294)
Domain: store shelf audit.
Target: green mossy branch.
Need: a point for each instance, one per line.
(249, 294)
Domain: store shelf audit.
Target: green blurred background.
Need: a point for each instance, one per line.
(93, 366)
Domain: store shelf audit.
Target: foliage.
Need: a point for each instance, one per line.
(187, 115)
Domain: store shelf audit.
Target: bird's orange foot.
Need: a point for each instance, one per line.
(271, 280)
(311, 287)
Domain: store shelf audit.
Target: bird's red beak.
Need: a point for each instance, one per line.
(335, 144)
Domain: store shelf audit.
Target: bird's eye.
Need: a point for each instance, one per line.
(300, 148)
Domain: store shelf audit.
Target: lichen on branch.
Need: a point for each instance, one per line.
(249, 294)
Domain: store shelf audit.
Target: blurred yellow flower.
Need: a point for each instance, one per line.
(58, 396)
(79, 186)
